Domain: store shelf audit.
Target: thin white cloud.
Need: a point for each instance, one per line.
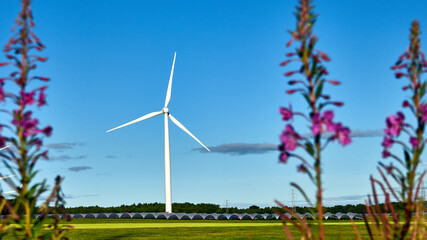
(79, 168)
(65, 145)
(66, 157)
(241, 148)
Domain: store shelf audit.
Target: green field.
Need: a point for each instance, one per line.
(195, 229)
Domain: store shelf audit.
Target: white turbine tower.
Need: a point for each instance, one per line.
(167, 115)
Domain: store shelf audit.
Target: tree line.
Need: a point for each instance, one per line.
(213, 208)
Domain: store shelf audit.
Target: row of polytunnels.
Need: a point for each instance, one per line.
(205, 216)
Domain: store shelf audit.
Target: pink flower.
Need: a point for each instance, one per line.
(47, 131)
(283, 157)
(325, 121)
(289, 138)
(343, 134)
(42, 99)
(316, 128)
(328, 116)
(30, 127)
(414, 142)
(394, 124)
(424, 112)
(286, 113)
(27, 98)
(387, 142)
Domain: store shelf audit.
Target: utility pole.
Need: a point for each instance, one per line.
(293, 200)
(226, 206)
(423, 193)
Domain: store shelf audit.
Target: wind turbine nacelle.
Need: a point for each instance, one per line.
(165, 110)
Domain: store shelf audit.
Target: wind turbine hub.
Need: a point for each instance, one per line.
(165, 110)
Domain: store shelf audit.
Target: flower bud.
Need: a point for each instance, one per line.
(405, 104)
(289, 73)
(399, 74)
(284, 63)
(334, 82)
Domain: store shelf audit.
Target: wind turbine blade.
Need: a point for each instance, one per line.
(4, 148)
(7, 177)
(186, 130)
(168, 93)
(9, 192)
(150, 115)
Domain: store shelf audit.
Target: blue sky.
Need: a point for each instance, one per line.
(109, 62)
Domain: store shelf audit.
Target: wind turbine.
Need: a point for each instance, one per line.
(167, 115)
(1, 178)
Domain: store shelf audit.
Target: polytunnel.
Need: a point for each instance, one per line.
(197, 217)
(137, 216)
(102, 215)
(90, 215)
(209, 217)
(125, 215)
(161, 216)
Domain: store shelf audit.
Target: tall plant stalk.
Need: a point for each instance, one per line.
(410, 137)
(311, 78)
(25, 134)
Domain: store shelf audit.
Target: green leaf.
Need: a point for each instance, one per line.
(311, 46)
(37, 227)
(317, 75)
(313, 67)
(310, 148)
(407, 159)
(319, 89)
(422, 89)
(307, 98)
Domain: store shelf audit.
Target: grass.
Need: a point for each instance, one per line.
(195, 229)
